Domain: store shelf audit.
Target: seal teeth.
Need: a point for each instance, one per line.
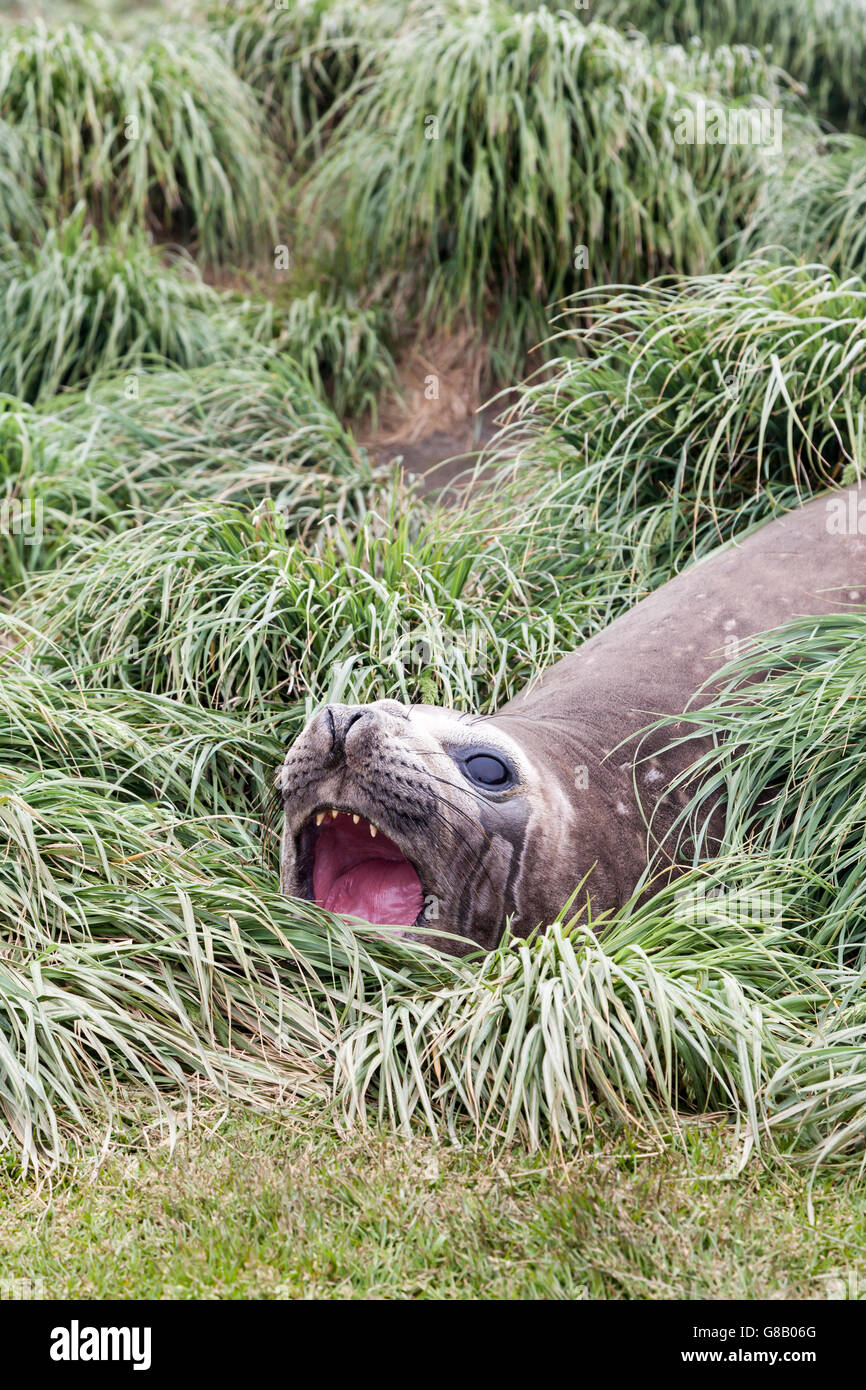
(333, 813)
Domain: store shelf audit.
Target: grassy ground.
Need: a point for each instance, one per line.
(282, 1207)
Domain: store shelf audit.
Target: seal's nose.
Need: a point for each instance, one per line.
(340, 719)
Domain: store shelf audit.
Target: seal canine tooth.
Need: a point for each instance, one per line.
(576, 811)
(320, 816)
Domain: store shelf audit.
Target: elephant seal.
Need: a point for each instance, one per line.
(417, 816)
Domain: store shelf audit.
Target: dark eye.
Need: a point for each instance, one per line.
(487, 770)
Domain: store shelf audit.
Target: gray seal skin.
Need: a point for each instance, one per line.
(489, 819)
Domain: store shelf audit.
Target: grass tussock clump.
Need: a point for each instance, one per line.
(166, 136)
(787, 765)
(217, 605)
(822, 43)
(500, 160)
(77, 307)
(815, 206)
(211, 555)
(19, 211)
(134, 873)
(93, 465)
(802, 733)
(342, 347)
(685, 412)
(233, 428)
(301, 56)
(142, 956)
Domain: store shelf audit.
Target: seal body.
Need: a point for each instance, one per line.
(423, 817)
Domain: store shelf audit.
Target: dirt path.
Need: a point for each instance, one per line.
(438, 424)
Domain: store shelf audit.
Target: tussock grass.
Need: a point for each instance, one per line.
(232, 427)
(19, 212)
(95, 464)
(343, 348)
(485, 147)
(143, 951)
(801, 732)
(816, 206)
(822, 44)
(76, 307)
(654, 1012)
(88, 1004)
(215, 604)
(130, 958)
(788, 767)
(165, 136)
(686, 412)
(158, 756)
(302, 57)
(223, 557)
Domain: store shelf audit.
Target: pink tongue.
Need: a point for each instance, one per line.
(382, 891)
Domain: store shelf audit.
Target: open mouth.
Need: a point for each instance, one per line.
(352, 868)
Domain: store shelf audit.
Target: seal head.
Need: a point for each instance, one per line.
(420, 817)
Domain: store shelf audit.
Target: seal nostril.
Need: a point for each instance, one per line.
(353, 719)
